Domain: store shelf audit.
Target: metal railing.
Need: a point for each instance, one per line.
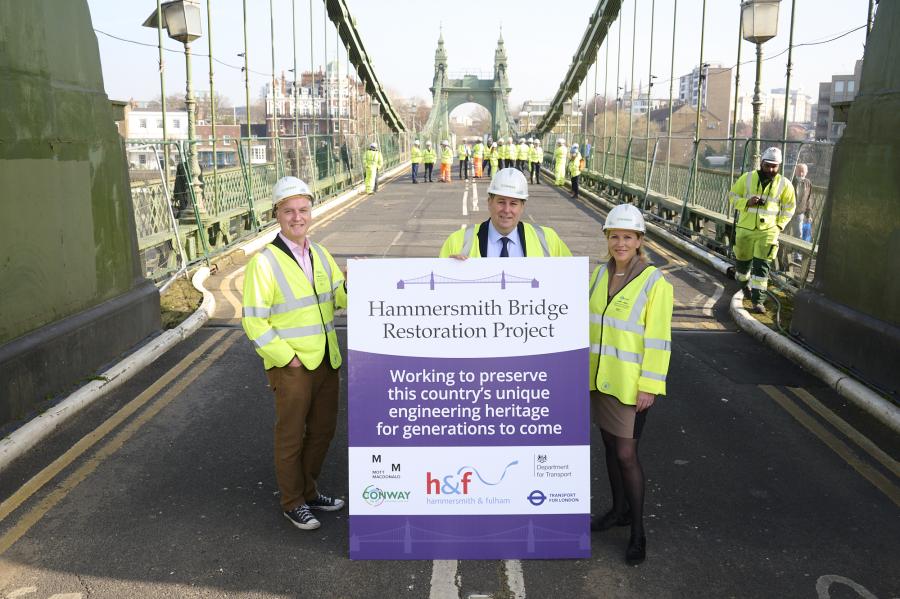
(684, 186)
(175, 228)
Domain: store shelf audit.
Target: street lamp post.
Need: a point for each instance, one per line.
(181, 18)
(759, 22)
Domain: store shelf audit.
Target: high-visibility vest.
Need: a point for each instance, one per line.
(524, 151)
(416, 155)
(478, 150)
(370, 160)
(631, 336)
(574, 167)
(447, 155)
(429, 156)
(512, 152)
(535, 154)
(559, 155)
(502, 152)
(461, 152)
(779, 204)
(284, 316)
(540, 242)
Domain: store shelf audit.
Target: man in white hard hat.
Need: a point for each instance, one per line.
(429, 158)
(522, 164)
(504, 234)
(372, 162)
(535, 157)
(446, 161)
(291, 289)
(765, 204)
(559, 162)
(416, 157)
(574, 168)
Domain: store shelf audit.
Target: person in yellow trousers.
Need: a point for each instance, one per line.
(559, 162)
(493, 156)
(765, 203)
(535, 157)
(504, 235)
(428, 158)
(416, 158)
(291, 289)
(446, 161)
(573, 168)
(477, 157)
(631, 343)
(371, 164)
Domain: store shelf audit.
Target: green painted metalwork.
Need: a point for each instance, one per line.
(448, 93)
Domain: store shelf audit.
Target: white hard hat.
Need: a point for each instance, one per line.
(289, 187)
(521, 140)
(445, 143)
(373, 145)
(561, 141)
(494, 144)
(574, 146)
(510, 183)
(501, 140)
(509, 139)
(416, 142)
(771, 155)
(428, 143)
(625, 216)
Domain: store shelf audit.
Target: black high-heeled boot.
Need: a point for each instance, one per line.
(610, 519)
(637, 550)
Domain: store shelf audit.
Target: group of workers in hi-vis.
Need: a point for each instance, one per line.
(477, 157)
(293, 286)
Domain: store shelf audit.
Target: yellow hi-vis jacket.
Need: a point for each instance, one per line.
(429, 156)
(512, 152)
(415, 155)
(372, 159)
(574, 166)
(502, 152)
(524, 151)
(461, 152)
(447, 155)
(478, 150)
(284, 316)
(631, 336)
(540, 242)
(779, 206)
(535, 154)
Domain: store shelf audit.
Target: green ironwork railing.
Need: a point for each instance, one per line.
(175, 228)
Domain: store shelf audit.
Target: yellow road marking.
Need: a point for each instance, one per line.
(839, 423)
(839, 447)
(113, 445)
(88, 441)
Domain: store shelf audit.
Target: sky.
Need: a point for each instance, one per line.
(541, 38)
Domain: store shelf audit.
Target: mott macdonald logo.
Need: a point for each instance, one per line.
(375, 496)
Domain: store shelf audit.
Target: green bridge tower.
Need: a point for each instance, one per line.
(448, 93)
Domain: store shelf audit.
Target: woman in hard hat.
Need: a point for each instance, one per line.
(630, 335)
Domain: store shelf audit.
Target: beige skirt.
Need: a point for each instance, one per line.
(616, 418)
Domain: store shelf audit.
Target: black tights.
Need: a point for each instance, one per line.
(626, 478)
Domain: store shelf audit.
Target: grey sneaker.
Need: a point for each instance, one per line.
(326, 503)
(302, 518)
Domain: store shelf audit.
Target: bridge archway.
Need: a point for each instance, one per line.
(448, 94)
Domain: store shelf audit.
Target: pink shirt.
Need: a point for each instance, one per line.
(301, 253)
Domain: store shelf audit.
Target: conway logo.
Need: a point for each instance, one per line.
(375, 496)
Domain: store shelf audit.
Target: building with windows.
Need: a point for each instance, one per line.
(835, 98)
(140, 124)
(800, 107)
(712, 86)
(226, 149)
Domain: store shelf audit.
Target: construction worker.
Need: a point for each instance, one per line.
(291, 289)
(523, 151)
(502, 153)
(493, 163)
(504, 234)
(765, 203)
(478, 157)
(371, 162)
(446, 161)
(416, 158)
(559, 162)
(429, 158)
(535, 157)
(630, 334)
(379, 167)
(574, 168)
(462, 151)
(512, 153)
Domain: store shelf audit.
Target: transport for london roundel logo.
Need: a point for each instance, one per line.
(537, 497)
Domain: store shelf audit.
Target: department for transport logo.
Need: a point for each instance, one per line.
(375, 496)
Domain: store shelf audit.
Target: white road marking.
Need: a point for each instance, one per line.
(474, 197)
(21, 592)
(443, 579)
(393, 243)
(466, 202)
(66, 596)
(515, 578)
(823, 586)
(232, 299)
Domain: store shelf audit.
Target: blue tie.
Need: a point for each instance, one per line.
(504, 253)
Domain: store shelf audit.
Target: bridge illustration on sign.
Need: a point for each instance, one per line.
(502, 278)
(528, 534)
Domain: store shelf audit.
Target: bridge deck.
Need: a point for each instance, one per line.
(751, 491)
